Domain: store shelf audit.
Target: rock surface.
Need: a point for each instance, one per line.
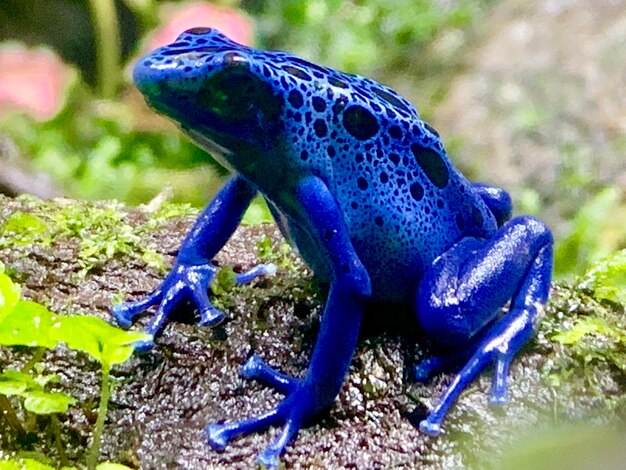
(163, 399)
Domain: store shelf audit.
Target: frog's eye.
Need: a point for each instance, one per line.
(232, 59)
(236, 95)
(198, 30)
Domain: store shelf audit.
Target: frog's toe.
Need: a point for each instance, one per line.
(259, 270)
(270, 457)
(209, 315)
(431, 426)
(219, 434)
(124, 313)
(500, 380)
(254, 367)
(498, 400)
(257, 369)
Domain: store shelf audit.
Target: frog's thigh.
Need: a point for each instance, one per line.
(466, 287)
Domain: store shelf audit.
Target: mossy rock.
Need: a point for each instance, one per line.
(568, 384)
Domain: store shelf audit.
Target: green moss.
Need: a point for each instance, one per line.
(597, 336)
(607, 278)
(224, 281)
(100, 230)
(25, 229)
(279, 254)
(584, 337)
(166, 211)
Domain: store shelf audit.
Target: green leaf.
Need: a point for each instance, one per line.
(29, 324)
(13, 382)
(24, 464)
(43, 403)
(112, 466)
(13, 465)
(32, 324)
(105, 343)
(12, 387)
(9, 295)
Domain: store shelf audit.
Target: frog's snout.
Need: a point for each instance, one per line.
(185, 65)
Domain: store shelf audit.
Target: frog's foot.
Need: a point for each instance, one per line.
(255, 368)
(183, 282)
(287, 411)
(499, 346)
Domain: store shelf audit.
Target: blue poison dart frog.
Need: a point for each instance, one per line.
(365, 191)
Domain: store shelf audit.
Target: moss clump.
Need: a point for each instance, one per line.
(101, 230)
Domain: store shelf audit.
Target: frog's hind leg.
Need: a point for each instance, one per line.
(461, 295)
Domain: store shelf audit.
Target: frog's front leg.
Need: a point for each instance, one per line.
(461, 296)
(193, 270)
(336, 341)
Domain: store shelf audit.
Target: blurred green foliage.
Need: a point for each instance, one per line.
(357, 36)
(94, 151)
(596, 230)
(572, 447)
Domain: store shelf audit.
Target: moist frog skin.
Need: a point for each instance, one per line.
(366, 192)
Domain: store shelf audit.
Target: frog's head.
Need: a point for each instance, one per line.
(209, 85)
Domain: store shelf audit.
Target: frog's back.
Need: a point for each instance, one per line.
(403, 201)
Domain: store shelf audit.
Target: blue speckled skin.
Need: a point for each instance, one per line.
(365, 190)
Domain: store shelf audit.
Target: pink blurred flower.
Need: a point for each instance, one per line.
(177, 18)
(34, 81)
